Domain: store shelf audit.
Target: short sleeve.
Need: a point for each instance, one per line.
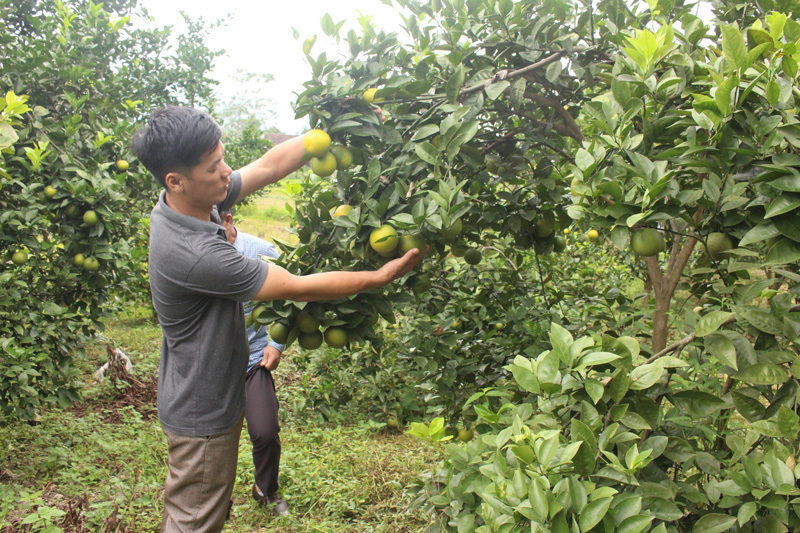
(233, 192)
(222, 271)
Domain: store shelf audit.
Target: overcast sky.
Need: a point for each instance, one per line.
(259, 38)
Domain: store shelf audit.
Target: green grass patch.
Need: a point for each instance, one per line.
(266, 216)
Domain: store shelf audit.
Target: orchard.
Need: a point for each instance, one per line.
(604, 333)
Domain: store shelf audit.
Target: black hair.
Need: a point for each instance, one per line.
(174, 140)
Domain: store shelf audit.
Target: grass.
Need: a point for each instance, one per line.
(266, 216)
(101, 465)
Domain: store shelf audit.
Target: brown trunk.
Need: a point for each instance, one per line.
(661, 321)
(664, 284)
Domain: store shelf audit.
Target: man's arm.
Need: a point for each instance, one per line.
(282, 285)
(280, 161)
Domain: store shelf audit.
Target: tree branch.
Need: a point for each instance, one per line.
(506, 75)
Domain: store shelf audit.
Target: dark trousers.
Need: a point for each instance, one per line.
(261, 412)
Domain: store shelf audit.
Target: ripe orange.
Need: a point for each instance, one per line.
(384, 239)
(316, 143)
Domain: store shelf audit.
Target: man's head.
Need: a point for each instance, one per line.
(227, 222)
(175, 140)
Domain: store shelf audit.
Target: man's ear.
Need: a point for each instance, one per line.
(174, 181)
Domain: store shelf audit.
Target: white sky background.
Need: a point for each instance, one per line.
(258, 38)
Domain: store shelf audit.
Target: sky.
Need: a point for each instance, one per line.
(259, 38)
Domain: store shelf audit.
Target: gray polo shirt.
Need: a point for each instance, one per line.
(198, 282)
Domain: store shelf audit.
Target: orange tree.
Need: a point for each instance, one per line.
(505, 121)
(75, 78)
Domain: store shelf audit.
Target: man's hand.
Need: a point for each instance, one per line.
(271, 358)
(401, 266)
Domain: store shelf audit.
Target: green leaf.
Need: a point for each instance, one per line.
(762, 374)
(783, 204)
(722, 96)
(595, 358)
(748, 407)
(759, 233)
(787, 183)
(593, 513)
(518, 92)
(746, 512)
(425, 131)
(495, 90)
(733, 46)
(427, 152)
(594, 389)
(645, 376)
(454, 84)
(634, 524)
(760, 319)
(538, 500)
(711, 322)
(772, 92)
(722, 348)
(784, 252)
(714, 523)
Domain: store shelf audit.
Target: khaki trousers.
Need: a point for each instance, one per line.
(202, 471)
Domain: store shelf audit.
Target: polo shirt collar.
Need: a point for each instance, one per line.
(190, 223)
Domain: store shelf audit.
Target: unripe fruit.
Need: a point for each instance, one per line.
(409, 242)
(592, 235)
(90, 218)
(310, 341)
(473, 256)
(335, 337)
(647, 242)
(90, 263)
(78, 260)
(323, 166)
(717, 245)
(316, 143)
(50, 191)
(384, 239)
(559, 244)
(20, 257)
(543, 228)
(279, 332)
(421, 283)
(344, 158)
(465, 435)
(459, 249)
(453, 231)
(306, 322)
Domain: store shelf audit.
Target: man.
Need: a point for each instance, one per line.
(198, 283)
(261, 402)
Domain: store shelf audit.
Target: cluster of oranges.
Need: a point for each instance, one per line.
(325, 157)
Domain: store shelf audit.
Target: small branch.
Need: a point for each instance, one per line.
(504, 256)
(559, 107)
(506, 75)
(681, 344)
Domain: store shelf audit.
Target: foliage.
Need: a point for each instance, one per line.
(592, 437)
(74, 87)
(492, 109)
